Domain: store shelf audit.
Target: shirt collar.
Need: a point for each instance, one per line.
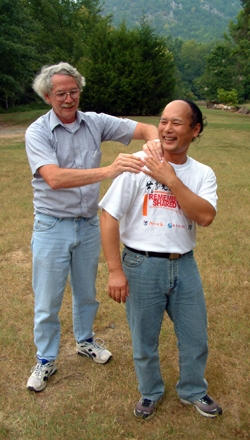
(55, 121)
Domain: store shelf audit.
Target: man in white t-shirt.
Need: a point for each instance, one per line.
(154, 213)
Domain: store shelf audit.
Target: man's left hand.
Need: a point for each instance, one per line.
(162, 171)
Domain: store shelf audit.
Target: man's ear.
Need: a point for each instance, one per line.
(197, 130)
(47, 98)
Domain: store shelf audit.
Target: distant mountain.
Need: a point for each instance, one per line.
(201, 20)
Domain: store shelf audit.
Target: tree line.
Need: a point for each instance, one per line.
(128, 71)
(203, 21)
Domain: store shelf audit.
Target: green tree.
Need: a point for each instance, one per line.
(155, 84)
(193, 63)
(38, 32)
(228, 97)
(240, 30)
(228, 65)
(240, 35)
(128, 72)
(190, 60)
(17, 53)
(64, 28)
(218, 72)
(174, 46)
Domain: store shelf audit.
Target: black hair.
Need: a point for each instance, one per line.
(197, 116)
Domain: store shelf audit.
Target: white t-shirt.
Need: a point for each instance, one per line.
(150, 217)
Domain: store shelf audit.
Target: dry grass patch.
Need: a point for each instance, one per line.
(86, 401)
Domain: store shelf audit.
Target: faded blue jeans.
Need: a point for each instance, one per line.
(157, 285)
(62, 247)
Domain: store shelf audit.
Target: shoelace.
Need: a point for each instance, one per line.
(99, 346)
(37, 371)
(206, 400)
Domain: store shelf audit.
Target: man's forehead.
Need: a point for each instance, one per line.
(61, 78)
(176, 110)
(171, 117)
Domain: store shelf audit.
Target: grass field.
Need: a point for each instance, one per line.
(86, 401)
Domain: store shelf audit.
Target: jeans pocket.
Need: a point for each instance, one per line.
(44, 222)
(131, 259)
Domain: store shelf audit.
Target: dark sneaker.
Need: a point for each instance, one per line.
(206, 406)
(94, 350)
(145, 408)
(40, 375)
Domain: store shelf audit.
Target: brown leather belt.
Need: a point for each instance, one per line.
(169, 256)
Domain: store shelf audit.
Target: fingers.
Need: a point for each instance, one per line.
(123, 163)
(152, 164)
(129, 160)
(151, 160)
(118, 288)
(153, 149)
(162, 171)
(117, 294)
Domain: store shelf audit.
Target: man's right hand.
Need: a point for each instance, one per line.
(124, 162)
(118, 288)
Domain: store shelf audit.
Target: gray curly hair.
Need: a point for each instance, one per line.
(42, 83)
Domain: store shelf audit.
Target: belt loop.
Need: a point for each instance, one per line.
(147, 254)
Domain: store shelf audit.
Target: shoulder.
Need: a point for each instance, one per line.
(140, 154)
(39, 124)
(199, 166)
(106, 118)
(93, 116)
(97, 120)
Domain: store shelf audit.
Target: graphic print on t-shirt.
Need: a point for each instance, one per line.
(159, 196)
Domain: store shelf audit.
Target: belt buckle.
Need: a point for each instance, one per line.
(174, 256)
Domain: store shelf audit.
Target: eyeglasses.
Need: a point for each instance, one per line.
(61, 96)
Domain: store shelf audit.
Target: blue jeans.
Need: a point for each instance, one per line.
(156, 285)
(62, 247)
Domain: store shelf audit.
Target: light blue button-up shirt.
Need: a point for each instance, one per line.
(49, 141)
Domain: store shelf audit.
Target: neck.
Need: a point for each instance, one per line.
(176, 158)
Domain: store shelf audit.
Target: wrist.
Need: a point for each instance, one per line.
(114, 269)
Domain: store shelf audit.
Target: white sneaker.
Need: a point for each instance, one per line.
(95, 351)
(40, 375)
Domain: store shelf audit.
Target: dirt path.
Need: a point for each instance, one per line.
(12, 131)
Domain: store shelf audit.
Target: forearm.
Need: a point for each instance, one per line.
(57, 177)
(110, 238)
(118, 288)
(146, 132)
(194, 207)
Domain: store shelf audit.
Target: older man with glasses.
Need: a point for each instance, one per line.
(63, 149)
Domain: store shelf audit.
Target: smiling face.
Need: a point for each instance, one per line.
(66, 110)
(176, 131)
